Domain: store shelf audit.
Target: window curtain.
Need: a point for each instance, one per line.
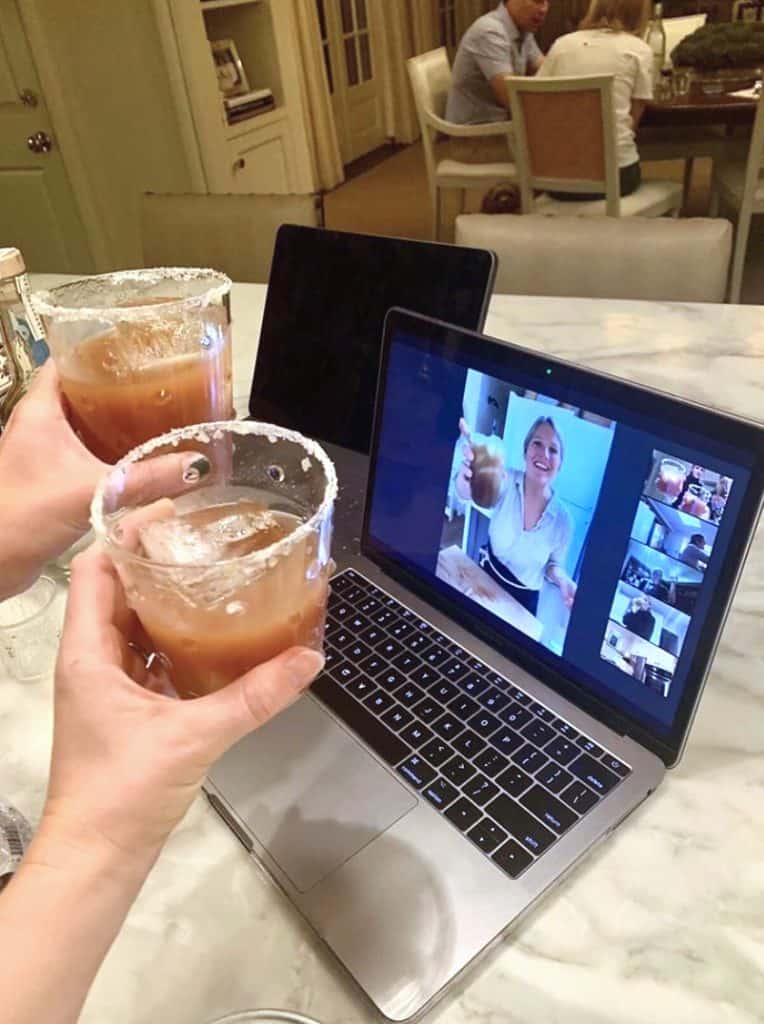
(403, 28)
(319, 116)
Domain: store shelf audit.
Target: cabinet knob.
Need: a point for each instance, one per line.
(240, 164)
(40, 142)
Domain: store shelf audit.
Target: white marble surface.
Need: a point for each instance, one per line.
(663, 925)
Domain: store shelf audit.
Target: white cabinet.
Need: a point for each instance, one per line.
(263, 158)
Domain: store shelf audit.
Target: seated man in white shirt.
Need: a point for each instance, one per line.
(497, 44)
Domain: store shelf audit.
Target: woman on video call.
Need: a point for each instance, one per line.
(530, 526)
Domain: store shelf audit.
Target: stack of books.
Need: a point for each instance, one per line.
(249, 104)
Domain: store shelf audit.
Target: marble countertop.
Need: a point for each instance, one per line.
(664, 924)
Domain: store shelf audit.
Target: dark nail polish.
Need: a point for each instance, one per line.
(197, 469)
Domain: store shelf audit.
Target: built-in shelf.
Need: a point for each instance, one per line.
(216, 5)
(234, 131)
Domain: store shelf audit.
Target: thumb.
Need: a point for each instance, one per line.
(254, 698)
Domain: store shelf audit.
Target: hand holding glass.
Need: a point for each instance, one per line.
(232, 573)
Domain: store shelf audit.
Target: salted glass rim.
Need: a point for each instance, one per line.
(53, 305)
(204, 432)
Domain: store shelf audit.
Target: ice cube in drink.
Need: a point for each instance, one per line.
(138, 380)
(222, 619)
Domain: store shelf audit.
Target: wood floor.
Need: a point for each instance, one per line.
(391, 199)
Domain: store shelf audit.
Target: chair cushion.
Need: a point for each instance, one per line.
(652, 199)
(730, 178)
(456, 174)
(662, 259)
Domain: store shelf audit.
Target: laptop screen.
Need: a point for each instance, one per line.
(592, 526)
(328, 294)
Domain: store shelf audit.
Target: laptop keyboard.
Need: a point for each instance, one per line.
(502, 768)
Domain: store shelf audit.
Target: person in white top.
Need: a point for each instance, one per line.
(530, 527)
(609, 42)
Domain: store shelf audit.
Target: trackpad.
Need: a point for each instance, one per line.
(309, 793)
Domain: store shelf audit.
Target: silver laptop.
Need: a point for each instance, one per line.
(520, 629)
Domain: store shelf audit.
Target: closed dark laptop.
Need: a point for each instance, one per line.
(328, 294)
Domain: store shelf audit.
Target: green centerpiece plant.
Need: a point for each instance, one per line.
(722, 46)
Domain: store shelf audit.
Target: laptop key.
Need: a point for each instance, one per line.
(554, 777)
(541, 712)
(425, 676)
(491, 762)
(516, 716)
(361, 687)
(473, 684)
(372, 635)
(417, 734)
(443, 691)
(400, 630)
(397, 717)
(417, 771)
(594, 774)
(538, 733)
(567, 731)
(519, 695)
(463, 707)
(390, 679)
(480, 790)
(358, 622)
(409, 694)
(493, 700)
(529, 832)
(457, 770)
(340, 636)
(388, 648)
(416, 642)
(548, 808)
(487, 835)
(469, 743)
(562, 750)
(590, 746)
(368, 605)
(448, 727)
(383, 617)
(331, 657)
(497, 680)
(374, 665)
(357, 651)
(436, 752)
(454, 669)
(512, 858)
(484, 723)
(530, 759)
(441, 793)
(514, 780)
(386, 744)
(506, 740)
(345, 673)
(615, 765)
(579, 797)
(427, 710)
(379, 702)
(463, 814)
(407, 662)
(435, 656)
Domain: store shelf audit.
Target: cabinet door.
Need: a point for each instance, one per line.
(263, 161)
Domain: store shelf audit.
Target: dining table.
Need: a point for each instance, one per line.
(662, 924)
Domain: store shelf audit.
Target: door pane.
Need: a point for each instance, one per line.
(351, 61)
(321, 18)
(347, 15)
(366, 69)
(360, 13)
(328, 63)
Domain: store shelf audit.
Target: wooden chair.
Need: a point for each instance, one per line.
(430, 76)
(564, 139)
(232, 233)
(740, 186)
(605, 257)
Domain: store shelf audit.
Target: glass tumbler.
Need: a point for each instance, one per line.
(235, 571)
(139, 352)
